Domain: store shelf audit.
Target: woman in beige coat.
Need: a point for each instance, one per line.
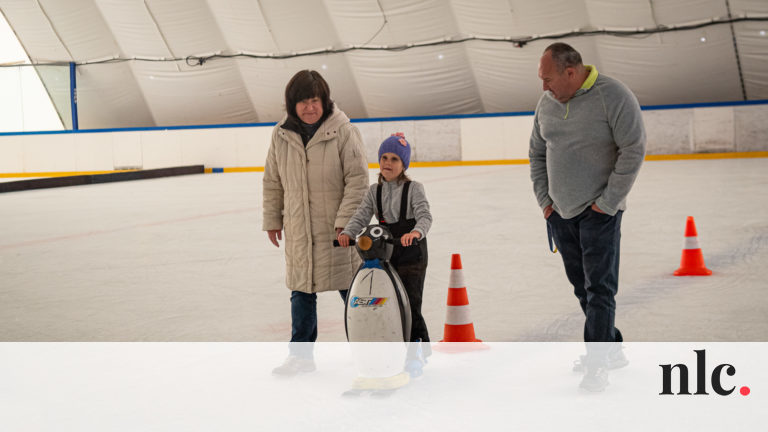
(315, 177)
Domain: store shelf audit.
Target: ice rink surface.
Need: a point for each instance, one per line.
(227, 386)
(184, 259)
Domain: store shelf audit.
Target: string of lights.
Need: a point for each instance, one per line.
(518, 42)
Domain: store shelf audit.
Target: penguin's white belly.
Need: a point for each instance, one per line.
(374, 310)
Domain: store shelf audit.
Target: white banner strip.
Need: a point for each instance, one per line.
(691, 386)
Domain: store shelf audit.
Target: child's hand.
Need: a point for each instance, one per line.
(343, 240)
(407, 239)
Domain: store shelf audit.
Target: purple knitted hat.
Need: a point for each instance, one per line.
(398, 145)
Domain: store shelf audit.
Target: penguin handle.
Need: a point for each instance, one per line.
(393, 241)
(415, 241)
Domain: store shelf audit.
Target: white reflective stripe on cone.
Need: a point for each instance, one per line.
(458, 315)
(456, 279)
(691, 243)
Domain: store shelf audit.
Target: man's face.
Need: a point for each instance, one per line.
(560, 84)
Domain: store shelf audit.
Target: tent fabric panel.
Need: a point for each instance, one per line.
(675, 67)
(753, 47)
(82, 27)
(133, 28)
(108, 97)
(34, 31)
(243, 26)
(212, 94)
(187, 26)
(415, 82)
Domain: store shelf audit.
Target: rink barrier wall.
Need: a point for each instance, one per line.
(711, 130)
(98, 178)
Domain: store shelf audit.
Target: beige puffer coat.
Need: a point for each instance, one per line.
(309, 192)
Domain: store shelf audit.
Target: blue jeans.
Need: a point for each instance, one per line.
(304, 321)
(589, 245)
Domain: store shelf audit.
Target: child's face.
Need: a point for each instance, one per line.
(391, 166)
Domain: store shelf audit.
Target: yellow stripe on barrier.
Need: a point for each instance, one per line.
(667, 157)
(732, 155)
(462, 163)
(235, 169)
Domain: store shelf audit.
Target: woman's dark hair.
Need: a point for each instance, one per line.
(307, 84)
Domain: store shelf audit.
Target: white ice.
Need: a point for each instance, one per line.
(227, 386)
(184, 259)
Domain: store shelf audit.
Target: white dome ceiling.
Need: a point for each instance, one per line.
(124, 78)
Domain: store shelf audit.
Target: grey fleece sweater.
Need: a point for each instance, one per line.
(588, 150)
(391, 195)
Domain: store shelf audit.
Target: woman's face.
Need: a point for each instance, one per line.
(310, 110)
(391, 166)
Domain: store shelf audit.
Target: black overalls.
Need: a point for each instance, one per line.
(409, 262)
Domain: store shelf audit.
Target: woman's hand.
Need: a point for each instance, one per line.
(407, 239)
(274, 236)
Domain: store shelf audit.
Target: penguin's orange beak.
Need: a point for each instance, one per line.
(364, 243)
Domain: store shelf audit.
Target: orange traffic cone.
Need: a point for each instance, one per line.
(458, 324)
(692, 261)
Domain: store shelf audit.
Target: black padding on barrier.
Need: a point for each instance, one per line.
(53, 182)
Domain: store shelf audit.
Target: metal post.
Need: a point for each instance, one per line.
(73, 94)
(736, 51)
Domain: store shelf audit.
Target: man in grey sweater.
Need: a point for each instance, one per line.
(586, 148)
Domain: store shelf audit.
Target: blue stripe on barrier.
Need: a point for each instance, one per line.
(704, 105)
(442, 117)
(217, 170)
(378, 119)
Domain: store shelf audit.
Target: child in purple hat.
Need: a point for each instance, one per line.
(401, 205)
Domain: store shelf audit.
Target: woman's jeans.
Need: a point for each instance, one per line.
(304, 322)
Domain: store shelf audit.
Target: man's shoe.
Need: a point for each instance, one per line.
(595, 380)
(616, 360)
(294, 365)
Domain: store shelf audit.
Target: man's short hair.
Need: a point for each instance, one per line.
(564, 56)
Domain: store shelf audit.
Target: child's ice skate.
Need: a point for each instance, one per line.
(377, 387)
(415, 359)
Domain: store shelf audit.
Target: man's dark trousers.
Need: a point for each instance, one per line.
(589, 244)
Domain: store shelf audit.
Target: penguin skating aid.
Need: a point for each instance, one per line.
(377, 310)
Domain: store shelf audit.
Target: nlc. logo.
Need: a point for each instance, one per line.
(701, 377)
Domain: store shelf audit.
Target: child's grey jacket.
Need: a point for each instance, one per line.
(391, 195)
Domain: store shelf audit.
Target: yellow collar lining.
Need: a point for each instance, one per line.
(591, 78)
